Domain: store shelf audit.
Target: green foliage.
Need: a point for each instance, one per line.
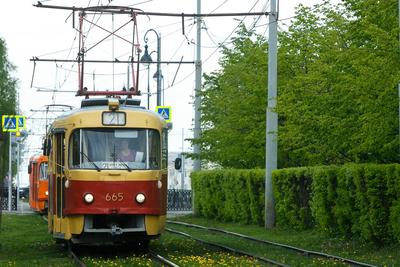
(357, 200)
(337, 91)
(230, 195)
(232, 96)
(7, 102)
(354, 200)
(292, 196)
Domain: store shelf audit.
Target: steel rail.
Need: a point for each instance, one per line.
(235, 251)
(75, 258)
(297, 249)
(162, 260)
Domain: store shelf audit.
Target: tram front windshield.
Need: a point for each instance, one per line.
(131, 149)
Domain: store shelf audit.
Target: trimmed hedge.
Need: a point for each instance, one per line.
(360, 200)
(230, 195)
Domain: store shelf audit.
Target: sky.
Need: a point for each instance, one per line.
(48, 34)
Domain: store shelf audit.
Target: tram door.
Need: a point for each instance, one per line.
(59, 177)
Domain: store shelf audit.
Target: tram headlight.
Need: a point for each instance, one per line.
(140, 198)
(159, 184)
(88, 198)
(46, 193)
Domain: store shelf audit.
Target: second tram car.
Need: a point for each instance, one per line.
(108, 173)
(38, 183)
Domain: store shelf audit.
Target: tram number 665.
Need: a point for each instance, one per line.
(114, 196)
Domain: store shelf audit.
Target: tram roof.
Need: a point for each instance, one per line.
(101, 104)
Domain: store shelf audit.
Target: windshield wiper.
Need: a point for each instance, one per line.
(124, 163)
(94, 164)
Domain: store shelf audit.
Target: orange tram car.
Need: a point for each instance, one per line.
(38, 183)
(98, 191)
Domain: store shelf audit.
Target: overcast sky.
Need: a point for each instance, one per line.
(46, 33)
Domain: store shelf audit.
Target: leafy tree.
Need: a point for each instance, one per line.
(230, 98)
(7, 103)
(337, 90)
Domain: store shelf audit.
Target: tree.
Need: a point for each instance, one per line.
(229, 99)
(337, 91)
(7, 103)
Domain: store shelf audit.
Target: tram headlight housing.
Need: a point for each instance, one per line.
(88, 198)
(140, 198)
(46, 193)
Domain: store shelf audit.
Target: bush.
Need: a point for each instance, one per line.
(355, 200)
(230, 195)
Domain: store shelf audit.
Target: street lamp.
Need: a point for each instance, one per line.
(146, 60)
(158, 72)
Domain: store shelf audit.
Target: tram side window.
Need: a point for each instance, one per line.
(43, 171)
(74, 149)
(154, 150)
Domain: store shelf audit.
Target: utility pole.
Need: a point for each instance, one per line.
(9, 173)
(158, 72)
(398, 86)
(272, 119)
(197, 100)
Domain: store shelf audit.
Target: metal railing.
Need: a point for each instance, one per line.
(4, 198)
(179, 200)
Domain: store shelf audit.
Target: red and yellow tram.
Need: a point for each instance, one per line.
(38, 183)
(98, 192)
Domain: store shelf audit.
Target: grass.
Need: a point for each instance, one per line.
(25, 242)
(311, 240)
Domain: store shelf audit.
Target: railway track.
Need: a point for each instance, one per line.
(162, 260)
(231, 250)
(292, 248)
(78, 262)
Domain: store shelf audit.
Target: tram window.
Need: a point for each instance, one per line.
(74, 159)
(43, 171)
(107, 148)
(154, 149)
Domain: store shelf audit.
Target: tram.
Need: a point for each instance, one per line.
(98, 191)
(38, 183)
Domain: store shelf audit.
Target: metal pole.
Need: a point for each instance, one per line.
(9, 174)
(158, 69)
(272, 119)
(183, 161)
(18, 155)
(197, 100)
(148, 86)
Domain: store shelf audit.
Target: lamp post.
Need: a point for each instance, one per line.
(158, 72)
(158, 75)
(146, 60)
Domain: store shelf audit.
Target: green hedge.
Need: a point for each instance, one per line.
(361, 200)
(230, 195)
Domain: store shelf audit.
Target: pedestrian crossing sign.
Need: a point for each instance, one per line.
(165, 112)
(21, 121)
(13, 123)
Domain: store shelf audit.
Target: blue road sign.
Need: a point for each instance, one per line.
(9, 123)
(21, 122)
(165, 112)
